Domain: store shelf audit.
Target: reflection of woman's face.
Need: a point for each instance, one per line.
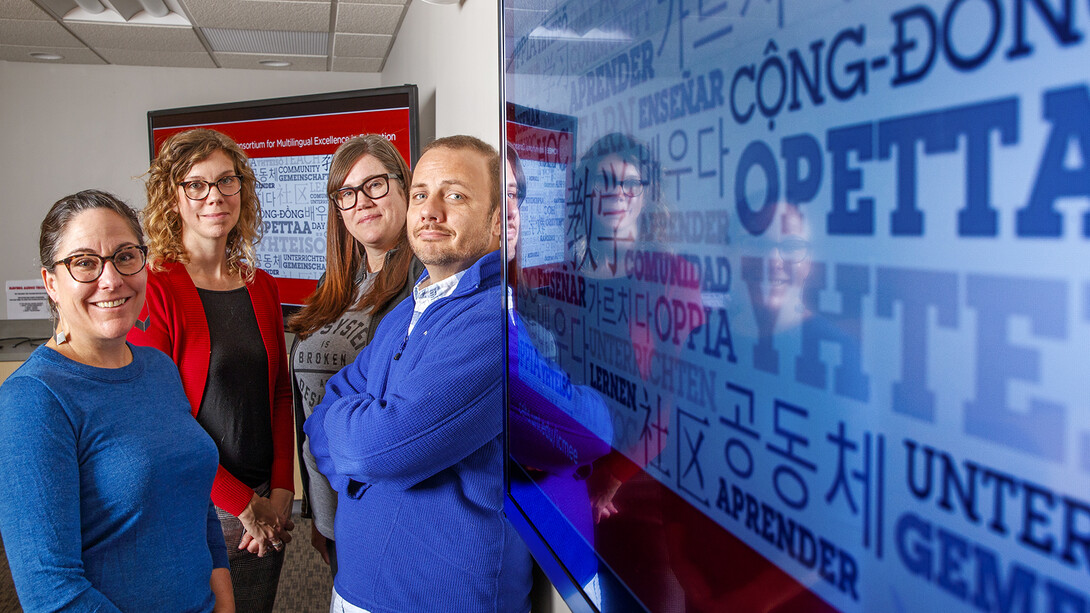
(100, 313)
(378, 223)
(788, 260)
(511, 192)
(619, 196)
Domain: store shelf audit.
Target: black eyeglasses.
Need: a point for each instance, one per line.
(198, 190)
(606, 185)
(373, 187)
(88, 267)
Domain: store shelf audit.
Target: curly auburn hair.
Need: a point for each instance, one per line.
(163, 224)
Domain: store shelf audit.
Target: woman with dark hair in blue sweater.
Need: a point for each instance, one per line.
(108, 476)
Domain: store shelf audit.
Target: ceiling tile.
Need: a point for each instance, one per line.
(22, 9)
(183, 59)
(45, 33)
(261, 15)
(361, 45)
(358, 64)
(277, 28)
(16, 53)
(138, 38)
(368, 18)
(250, 60)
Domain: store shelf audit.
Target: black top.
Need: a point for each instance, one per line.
(235, 406)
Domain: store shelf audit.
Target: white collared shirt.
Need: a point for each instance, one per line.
(423, 297)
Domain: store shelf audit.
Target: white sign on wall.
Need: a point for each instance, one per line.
(27, 300)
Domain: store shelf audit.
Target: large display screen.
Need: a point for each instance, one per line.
(800, 306)
(290, 142)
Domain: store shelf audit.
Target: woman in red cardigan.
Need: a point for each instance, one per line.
(218, 317)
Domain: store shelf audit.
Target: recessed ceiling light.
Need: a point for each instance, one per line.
(274, 63)
(51, 57)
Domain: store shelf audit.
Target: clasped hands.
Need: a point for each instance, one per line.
(267, 522)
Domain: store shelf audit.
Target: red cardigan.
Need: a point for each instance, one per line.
(173, 321)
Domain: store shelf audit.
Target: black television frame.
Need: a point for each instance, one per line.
(378, 98)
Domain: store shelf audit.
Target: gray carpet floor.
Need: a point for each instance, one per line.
(305, 582)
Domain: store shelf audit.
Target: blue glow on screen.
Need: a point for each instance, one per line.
(801, 302)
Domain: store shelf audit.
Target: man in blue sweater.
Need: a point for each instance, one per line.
(410, 434)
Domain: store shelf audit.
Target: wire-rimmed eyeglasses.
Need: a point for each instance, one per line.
(88, 267)
(196, 189)
(374, 187)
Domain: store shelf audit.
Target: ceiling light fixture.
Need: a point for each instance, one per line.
(91, 6)
(155, 8)
(129, 8)
(274, 63)
(443, 2)
(147, 12)
(49, 57)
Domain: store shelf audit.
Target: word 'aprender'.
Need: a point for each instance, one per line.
(835, 565)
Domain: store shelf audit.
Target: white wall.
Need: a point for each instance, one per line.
(452, 54)
(64, 128)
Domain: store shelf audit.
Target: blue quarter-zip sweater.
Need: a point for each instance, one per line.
(410, 436)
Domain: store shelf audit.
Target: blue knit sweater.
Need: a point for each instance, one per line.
(410, 436)
(106, 479)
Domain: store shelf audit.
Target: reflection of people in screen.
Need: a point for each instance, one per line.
(514, 192)
(717, 570)
(786, 249)
(782, 280)
(617, 182)
(556, 429)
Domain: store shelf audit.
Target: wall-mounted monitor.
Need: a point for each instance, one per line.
(290, 142)
(801, 307)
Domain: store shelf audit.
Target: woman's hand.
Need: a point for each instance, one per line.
(264, 530)
(603, 487)
(282, 500)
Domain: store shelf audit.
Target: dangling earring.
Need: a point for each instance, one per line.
(61, 337)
